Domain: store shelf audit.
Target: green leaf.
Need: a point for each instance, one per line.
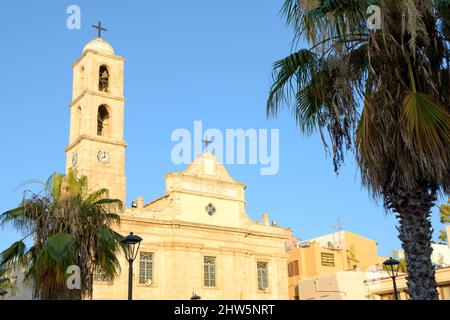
(11, 215)
(444, 212)
(308, 109)
(56, 184)
(426, 123)
(106, 250)
(61, 247)
(97, 195)
(15, 253)
(297, 66)
(443, 235)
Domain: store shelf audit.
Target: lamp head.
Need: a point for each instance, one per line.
(391, 265)
(131, 245)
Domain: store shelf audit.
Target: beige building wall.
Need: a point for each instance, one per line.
(179, 232)
(448, 235)
(202, 213)
(178, 251)
(342, 285)
(308, 258)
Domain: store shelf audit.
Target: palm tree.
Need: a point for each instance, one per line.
(69, 226)
(383, 95)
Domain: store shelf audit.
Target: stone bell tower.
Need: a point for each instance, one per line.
(96, 144)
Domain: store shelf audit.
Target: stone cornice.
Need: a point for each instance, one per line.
(196, 247)
(86, 52)
(177, 224)
(210, 195)
(94, 93)
(95, 138)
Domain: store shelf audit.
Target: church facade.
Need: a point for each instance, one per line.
(197, 237)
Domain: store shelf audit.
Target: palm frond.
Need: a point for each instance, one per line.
(13, 254)
(73, 183)
(108, 246)
(111, 205)
(308, 111)
(28, 182)
(297, 67)
(97, 195)
(54, 184)
(13, 216)
(61, 247)
(426, 124)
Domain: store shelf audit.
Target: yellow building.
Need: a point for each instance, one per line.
(330, 254)
(197, 236)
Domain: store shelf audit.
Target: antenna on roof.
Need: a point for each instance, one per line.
(337, 228)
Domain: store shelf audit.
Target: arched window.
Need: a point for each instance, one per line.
(103, 121)
(81, 79)
(103, 82)
(77, 122)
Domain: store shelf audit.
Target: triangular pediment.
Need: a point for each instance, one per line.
(206, 176)
(206, 166)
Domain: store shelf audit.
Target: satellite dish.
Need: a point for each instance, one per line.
(148, 282)
(266, 290)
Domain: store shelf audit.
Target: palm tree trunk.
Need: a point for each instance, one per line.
(413, 211)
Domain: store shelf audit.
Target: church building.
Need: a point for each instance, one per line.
(197, 236)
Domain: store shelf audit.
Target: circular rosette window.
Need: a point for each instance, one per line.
(210, 209)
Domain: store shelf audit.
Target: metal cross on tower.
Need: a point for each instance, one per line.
(99, 28)
(206, 142)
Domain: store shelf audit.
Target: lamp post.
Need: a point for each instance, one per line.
(129, 245)
(391, 266)
(195, 296)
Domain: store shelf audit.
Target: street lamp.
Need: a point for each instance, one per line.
(129, 245)
(195, 296)
(391, 266)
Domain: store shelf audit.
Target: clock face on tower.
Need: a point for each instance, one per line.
(103, 156)
(74, 159)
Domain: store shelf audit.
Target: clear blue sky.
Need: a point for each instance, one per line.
(186, 60)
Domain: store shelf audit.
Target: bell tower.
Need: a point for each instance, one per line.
(96, 144)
